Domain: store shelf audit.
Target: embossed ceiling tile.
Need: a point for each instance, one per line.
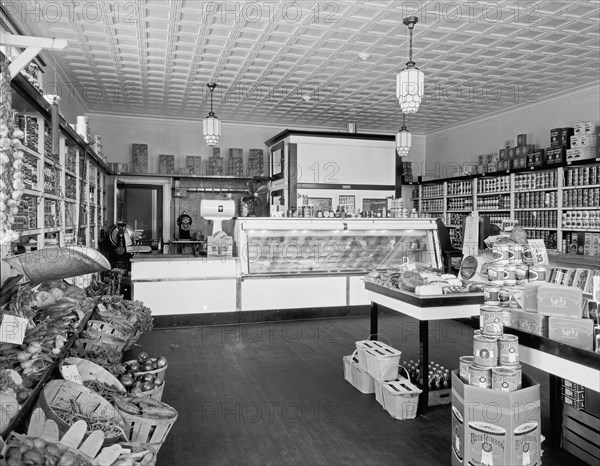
(588, 10)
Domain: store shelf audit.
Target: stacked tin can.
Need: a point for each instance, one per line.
(495, 361)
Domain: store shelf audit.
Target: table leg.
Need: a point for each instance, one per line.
(424, 356)
(374, 316)
(556, 412)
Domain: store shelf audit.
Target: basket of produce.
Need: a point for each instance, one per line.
(96, 378)
(145, 376)
(88, 343)
(104, 328)
(137, 454)
(132, 318)
(67, 402)
(58, 262)
(107, 358)
(146, 420)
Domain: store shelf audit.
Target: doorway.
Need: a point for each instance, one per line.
(140, 206)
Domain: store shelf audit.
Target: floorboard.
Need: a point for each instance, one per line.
(274, 394)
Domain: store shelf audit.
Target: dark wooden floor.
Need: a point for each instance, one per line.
(274, 394)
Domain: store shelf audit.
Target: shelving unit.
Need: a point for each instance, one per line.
(551, 203)
(64, 202)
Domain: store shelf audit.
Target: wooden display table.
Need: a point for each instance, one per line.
(424, 309)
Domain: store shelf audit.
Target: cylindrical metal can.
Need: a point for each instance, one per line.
(485, 350)
(480, 376)
(464, 363)
(522, 273)
(537, 273)
(508, 346)
(504, 379)
(510, 275)
(490, 321)
(518, 369)
(496, 274)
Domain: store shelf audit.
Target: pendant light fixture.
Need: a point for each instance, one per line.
(403, 139)
(212, 125)
(410, 81)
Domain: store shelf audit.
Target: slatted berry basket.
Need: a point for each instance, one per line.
(145, 428)
(391, 373)
(98, 345)
(107, 329)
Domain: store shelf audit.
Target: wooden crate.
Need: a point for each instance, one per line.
(439, 397)
(581, 434)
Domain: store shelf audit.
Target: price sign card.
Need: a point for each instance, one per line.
(71, 373)
(12, 329)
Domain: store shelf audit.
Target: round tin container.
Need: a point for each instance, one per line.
(504, 297)
(480, 376)
(508, 346)
(518, 369)
(510, 275)
(491, 295)
(522, 273)
(490, 321)
(537, 273)
(504, 379)
(515, 252)
(485, 350)
(464, 363)
(506, 318)
(496, 274)
(501, 254)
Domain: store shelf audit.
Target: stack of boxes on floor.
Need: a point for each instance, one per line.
(495, 409)
(373, 369)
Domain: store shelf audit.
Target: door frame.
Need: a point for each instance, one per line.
(167, 187)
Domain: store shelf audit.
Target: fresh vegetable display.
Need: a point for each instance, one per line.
(143, 375)
(28, 451)
(73, 412)
(105, 358)
(128, 316)
(145, 407)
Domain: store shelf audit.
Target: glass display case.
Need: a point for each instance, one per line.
(296, 246)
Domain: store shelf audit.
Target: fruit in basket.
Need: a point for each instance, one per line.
(142, 357)
(161, 362)
(147, 386)
(126, 380)
(133, 366)
(158, 382)
(148, 366)
(148, 378)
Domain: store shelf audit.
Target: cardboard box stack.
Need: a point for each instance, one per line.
(256, 162)
(491, 378)
(572, 394)
(583, 142)
(215, 162)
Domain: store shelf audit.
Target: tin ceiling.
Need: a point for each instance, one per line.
(317, 63)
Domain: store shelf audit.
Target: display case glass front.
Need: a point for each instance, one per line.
(313, 246)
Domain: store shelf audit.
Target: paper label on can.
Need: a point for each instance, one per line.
(487, 444)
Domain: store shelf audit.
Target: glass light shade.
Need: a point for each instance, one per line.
(212, 130)
(410, 85)
(403, 142)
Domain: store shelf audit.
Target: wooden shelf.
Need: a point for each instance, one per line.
(498, 193)
(582, 187)
(535, 190)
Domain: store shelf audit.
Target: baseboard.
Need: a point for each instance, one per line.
(245, 317)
